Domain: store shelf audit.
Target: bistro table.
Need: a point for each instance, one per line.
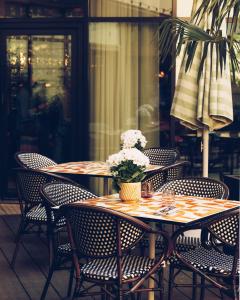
(189, 210)
(90, 168)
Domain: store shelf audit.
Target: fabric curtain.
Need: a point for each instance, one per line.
(129, 8)
(124, 89)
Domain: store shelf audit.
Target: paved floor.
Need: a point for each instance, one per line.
(27, 280)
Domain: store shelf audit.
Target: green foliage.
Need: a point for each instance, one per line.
(175, 33)
(127, 171)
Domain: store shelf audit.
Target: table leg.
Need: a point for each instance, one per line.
(152, 239)
(105, 186)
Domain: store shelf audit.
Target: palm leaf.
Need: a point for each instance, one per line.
(175, 33)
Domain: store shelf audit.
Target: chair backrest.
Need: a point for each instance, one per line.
(98, 232)
(168, 173)
(29, 183)
(33, 160)
(226, 229)
(198, 186)
(59, 193)
(162, 156)
(157, 179)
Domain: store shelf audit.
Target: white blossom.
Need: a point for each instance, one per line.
(132, 154)
(131, 138)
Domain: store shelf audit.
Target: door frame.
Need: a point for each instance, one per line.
(79, 81)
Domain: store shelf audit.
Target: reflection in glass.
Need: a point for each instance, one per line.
(39, 9)
(39, 94)
(124, 85)
(129, 8)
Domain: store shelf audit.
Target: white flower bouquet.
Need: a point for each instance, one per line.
(128, 165)
(133, 139)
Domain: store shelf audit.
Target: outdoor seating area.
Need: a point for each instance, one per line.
(108, 247)
(120, 156)
(31, 269)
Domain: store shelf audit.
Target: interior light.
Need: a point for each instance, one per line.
(161, 74)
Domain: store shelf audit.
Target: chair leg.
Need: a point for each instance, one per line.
(194, 283)
(161, 284)
(170, 281)
(50, 273)
(21, 229)
(221, 294)
(70, 281)
(120, 294)
(132, 296)
(78, 285)
(235, 289)
(202, 292)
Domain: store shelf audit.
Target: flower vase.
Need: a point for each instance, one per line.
(130, 191)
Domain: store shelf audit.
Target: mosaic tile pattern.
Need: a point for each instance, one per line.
(188, 209)
(92, 168)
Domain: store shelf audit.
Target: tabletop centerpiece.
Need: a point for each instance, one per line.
(127, 168)
(133, 139)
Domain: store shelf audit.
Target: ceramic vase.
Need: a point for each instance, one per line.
(130, 191)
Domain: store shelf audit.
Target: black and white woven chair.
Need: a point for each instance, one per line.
(209, 260)
(192, 186)
(162, 156)
(172, 169)
(197, 186)
(105, 237)
(29, 160)
(54, 195)
(171, 172)
(33, 213)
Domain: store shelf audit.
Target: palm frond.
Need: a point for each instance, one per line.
(174, 34)
(220, 10)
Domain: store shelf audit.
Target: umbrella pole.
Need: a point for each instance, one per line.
(205, 138)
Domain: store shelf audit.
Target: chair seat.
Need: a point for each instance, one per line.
(184, 243)
(208, 260)
(37, 213)
(64, 249)
(106, 269)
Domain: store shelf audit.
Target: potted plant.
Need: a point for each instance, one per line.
(127, 168)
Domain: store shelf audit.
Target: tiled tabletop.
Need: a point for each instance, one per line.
(91, 168)
(189, 209)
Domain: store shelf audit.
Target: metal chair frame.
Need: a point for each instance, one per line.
(52, 205)
(209, 237)
(27, 189)
(180, 189)
(173, 167)
(120, 251)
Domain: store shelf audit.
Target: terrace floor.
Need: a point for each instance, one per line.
(27, 280)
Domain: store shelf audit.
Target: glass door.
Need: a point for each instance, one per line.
(37, 98)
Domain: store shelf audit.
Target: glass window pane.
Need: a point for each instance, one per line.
(129, 8)
(124, 85)
(39, 84)
(45, 8)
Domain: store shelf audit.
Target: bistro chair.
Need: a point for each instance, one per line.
(33, 213)
(173, 167)
(209, 260)
(28, 160)
(162, 156)
(105, 237)
(192, 186)
(167, 173)
(54, 195)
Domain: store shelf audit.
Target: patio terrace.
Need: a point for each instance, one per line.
(26, 282)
